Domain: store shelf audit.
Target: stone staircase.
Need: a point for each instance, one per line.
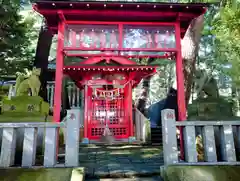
(156, 136)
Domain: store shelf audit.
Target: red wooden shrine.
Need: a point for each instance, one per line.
(108, 93)
(107, 32)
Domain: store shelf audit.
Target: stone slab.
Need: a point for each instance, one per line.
(121, 161)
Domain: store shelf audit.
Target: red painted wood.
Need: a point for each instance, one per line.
(130, 108)
(119, 14)
(100, 110)
(123, 68)
(121, 22)
(114, 13)
(120, 5)
(121, 11)
(180, 88)
(86, 108)
(121, 124)
(111, 55)
(58, 74)
(120, 60)
(180, 78)
(68, 49)
(61, 15)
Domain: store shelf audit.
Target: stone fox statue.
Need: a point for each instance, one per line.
(23, 84)
(206, 84)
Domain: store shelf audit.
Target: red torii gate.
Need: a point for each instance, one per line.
(97, 29)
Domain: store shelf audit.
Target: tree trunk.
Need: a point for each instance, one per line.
(190, 47)
(41, 58)
(142, 100)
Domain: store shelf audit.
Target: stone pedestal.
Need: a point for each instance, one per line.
(206, 109)
(25, 109)
(25, 106)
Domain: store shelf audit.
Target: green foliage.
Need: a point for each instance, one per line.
(227, 30)
(15, 38)
(4, 89)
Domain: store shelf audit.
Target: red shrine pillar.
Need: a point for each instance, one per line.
(58, 73)
(86, 109)
(180, 77)
(131, 128)
(180, 87)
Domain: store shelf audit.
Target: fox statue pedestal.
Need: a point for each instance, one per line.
(206, 109)
(25, 109)
(25, 106)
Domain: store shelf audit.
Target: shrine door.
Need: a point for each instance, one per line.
(106, 108)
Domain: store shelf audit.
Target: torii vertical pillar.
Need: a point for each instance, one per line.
(180, 86)
(180, 77)
(58, 73)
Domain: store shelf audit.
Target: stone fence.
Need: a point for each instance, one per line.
(220, 141)
(11, 133)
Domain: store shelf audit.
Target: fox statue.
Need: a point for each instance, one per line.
(32, 82)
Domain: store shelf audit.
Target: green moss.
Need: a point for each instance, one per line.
(24, 99)
(148, 130)
(44, 109)
(40, 174)
(202, 173)
(210, 108)
(21, 117)
(25, 106)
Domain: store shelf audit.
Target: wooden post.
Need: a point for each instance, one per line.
(86, 112)
(180, 86)
(180, 77)
(58, 74)
(130, 109)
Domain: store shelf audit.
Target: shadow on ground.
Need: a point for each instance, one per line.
(120, 161)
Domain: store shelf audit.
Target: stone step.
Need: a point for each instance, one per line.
(155, 178)
(115, 174)
(156, 136)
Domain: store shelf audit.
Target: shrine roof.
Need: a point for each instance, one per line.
(80, 71)
(120, 12)
(109, 68)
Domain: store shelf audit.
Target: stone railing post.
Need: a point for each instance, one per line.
(169, 137)
(8, 147)
(72, 138)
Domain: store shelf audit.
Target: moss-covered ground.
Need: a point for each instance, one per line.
(16, 118)
(202, 173)
(40, 174)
